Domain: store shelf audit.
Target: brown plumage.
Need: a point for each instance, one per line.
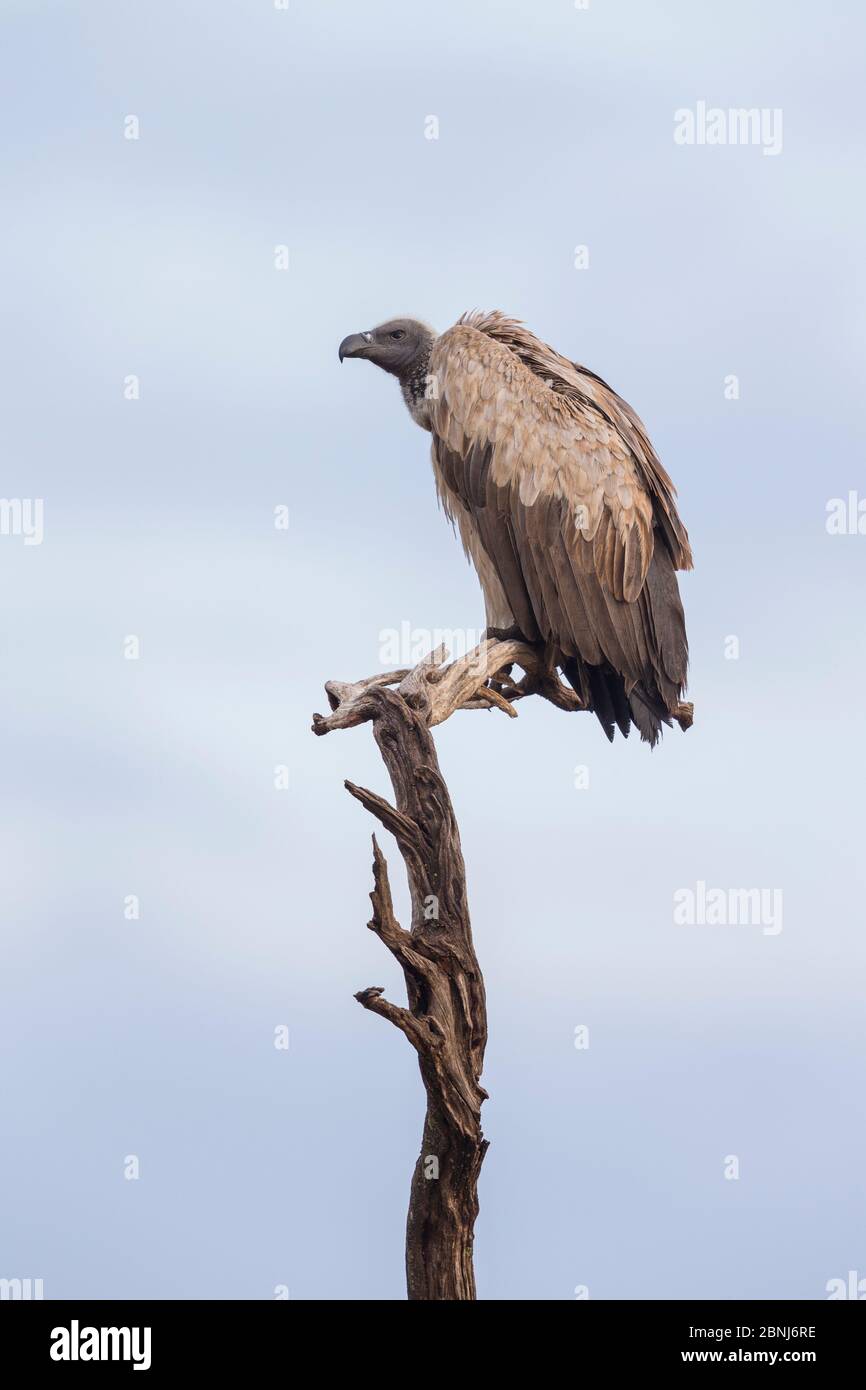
(561, 504)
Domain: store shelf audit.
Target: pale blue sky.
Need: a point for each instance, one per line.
(155, 257)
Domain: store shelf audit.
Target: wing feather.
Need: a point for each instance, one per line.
(568, 502)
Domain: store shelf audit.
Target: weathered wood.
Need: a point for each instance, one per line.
(446, 1021)
(437, 689)
(446, 1018)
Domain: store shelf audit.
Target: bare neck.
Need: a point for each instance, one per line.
(417, 386)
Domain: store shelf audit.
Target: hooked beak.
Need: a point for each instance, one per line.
(355, 345)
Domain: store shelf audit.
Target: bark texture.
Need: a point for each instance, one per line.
(446, 1021)
(446, 1018)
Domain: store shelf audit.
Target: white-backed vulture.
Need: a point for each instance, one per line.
(561, 503)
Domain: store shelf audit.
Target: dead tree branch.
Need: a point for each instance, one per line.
(446, 1019)
(436, 690)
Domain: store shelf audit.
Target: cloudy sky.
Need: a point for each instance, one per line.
(165, 387)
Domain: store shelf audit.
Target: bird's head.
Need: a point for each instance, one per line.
(400, 346)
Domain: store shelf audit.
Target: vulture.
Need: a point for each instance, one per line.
(561, 504)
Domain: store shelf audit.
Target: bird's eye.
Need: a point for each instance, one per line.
(397, 334)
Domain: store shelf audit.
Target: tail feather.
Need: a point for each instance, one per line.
(648, 714)
(603, 691)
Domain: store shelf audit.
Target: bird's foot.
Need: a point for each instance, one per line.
(504, 634)
(501, 681)
(684, 714)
